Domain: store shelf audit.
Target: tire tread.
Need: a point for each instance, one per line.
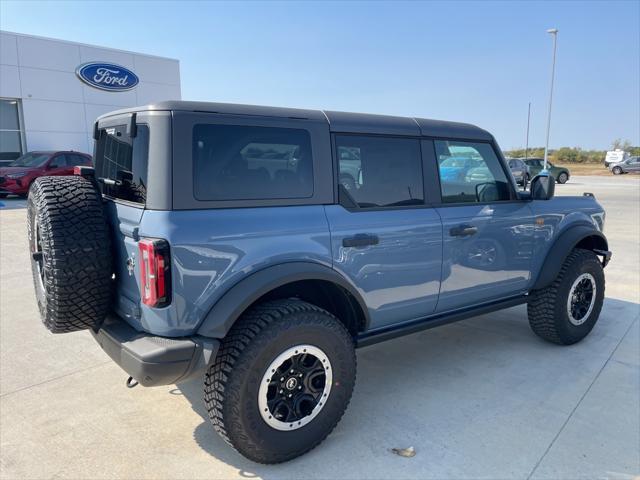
(230, 357)
(78, 260)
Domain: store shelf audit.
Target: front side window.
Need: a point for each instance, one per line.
(121, 163)
(379, 171)
(470, 172)
(235, 162)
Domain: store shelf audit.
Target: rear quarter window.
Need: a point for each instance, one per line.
(235, 162)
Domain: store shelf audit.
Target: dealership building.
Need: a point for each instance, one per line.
(51, 91)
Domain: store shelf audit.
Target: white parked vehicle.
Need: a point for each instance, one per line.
(615, 156)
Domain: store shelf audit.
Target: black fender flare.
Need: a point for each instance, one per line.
(563, 245)
(238, 298)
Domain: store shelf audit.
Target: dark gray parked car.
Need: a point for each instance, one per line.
(255, 248)
(519, 170)
(630, 165)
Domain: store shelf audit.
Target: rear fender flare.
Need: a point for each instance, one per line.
(561, 248)
(238, 298)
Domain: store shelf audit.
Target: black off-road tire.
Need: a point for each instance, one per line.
(547, 307)
(232, 382)
(71, 262)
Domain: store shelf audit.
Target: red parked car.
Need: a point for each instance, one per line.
(16, 178)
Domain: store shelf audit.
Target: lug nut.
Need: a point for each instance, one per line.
(291, 371)
(300, 375)
(282, 379)
(299, 388)
(290, 395)
(281, 391)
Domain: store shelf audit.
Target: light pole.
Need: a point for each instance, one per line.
(554, 32)
(526, 147)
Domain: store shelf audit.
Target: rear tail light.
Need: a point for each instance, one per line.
(155, 272)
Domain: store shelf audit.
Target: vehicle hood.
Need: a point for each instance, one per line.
(8, 170)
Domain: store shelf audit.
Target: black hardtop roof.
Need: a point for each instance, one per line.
(344, 122)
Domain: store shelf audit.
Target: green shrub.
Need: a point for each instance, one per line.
(567, 154)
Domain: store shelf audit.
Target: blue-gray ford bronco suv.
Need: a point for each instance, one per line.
(257, 247)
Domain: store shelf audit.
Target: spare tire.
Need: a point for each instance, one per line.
(70, 252)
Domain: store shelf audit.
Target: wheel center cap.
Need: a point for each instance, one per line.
(291, 383)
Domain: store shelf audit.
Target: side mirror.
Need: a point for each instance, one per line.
(543, 186)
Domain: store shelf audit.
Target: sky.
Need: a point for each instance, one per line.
(477, 62)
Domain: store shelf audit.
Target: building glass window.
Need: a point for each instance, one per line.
(10, 132)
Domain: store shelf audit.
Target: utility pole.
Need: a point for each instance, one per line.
(554, 32)
(526, 147)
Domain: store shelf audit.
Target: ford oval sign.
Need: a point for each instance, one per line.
(107, 76)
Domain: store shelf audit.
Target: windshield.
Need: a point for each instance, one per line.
(30, 160)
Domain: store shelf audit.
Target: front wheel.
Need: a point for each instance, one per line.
(281, 381)
(566, 311)
(617, 170)
(563, 178)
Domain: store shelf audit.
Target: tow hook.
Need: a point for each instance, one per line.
(131, 382)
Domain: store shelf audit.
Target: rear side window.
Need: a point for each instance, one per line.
(234, 162)
(74, 160)
(379, 171)
(121, 163)
(58, 161)
(470, 172)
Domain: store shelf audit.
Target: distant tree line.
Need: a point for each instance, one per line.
(574, 154)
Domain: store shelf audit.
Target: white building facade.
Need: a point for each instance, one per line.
(51, 91)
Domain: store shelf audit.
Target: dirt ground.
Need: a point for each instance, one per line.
(586, 169)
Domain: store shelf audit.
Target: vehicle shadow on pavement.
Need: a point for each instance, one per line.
(12, 203)
(482, 397)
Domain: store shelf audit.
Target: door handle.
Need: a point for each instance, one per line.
(360, 240)
(463, 230)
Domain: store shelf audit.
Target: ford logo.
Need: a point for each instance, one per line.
(107, 76)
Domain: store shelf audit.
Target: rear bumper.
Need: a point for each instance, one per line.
(153, 360)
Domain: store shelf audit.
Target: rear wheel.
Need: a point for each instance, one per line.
(282, 380)
(563, 178)
(566, 311)
(70, 253)
(617, 170)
